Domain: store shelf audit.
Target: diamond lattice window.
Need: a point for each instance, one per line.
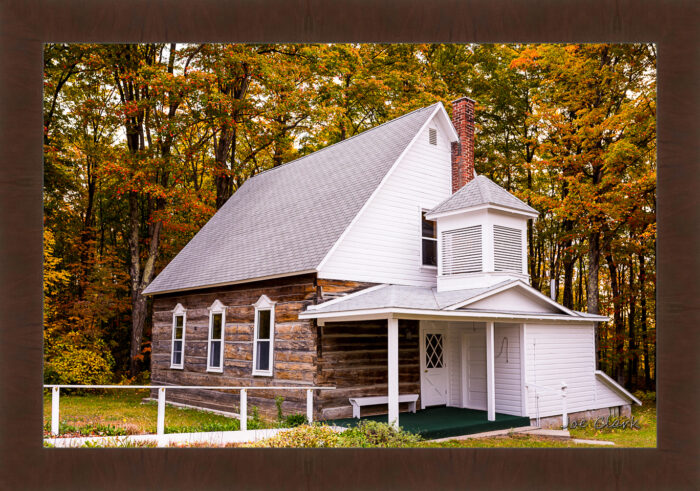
(433, 351)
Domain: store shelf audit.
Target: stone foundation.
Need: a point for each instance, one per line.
(554, 422)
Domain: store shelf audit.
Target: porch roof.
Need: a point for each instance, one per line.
(388, 300)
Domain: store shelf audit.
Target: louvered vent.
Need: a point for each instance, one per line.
(461, 250)
(507, 249)
(432, 136)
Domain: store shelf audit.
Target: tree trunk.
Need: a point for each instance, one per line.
(632, 357)
(643, 323)
(592, 287)
(569, 261)
(137, 300)
(619, 327)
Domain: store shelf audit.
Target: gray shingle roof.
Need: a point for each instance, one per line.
(403, 296)
(426, 298)
(286, 219)
(481, 191)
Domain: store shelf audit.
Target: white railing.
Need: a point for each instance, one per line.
(160, 426)
(561, 390)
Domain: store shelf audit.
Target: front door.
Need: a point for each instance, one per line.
(433, 386)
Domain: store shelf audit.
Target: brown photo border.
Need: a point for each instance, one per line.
(25, 25)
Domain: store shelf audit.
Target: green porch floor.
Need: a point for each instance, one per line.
(443, 422)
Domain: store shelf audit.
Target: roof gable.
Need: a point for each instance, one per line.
(514, 300)
(285, 220)
(481, 191)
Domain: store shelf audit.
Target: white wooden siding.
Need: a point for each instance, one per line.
(606, 397)
(476, 370)
(384, 243)
(514, 300)
(558, 353)
(507, 369)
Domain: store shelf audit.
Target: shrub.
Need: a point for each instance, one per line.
(296, 419)
(314, 436)
(647, 397)
(278, 402)
(75, 358)
(375, 434)
(366, 434)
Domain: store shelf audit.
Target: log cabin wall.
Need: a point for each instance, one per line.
(352, 356)
(295, 342)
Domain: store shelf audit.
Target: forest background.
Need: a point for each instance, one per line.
(143, 143)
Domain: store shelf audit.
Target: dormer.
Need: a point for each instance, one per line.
(482, 236)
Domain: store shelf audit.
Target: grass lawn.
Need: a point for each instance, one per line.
(644, 437)
(121, 412)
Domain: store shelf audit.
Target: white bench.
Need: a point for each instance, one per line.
(358, 402)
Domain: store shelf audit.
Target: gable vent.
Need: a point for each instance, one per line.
(461, 250)
(507, 249)
(432, 136)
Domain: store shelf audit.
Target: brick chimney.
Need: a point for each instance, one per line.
(463, 151)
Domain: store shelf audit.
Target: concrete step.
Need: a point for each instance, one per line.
(557, 434)
(592, 442)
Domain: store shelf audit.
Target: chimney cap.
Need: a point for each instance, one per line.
(463, 98)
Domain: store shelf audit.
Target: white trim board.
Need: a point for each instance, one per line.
(402, 313)
(615, 386)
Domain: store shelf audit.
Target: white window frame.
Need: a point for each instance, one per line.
(264, 303)
(423, 211)
(216, 308)
(178, 311)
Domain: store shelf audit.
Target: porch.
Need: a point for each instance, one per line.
(457, 349)
(444, 422)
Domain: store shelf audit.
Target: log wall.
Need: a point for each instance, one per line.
(295, 342)
(352, 356)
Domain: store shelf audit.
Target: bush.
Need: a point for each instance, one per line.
(294, 420)
(366, 434)
(375, 434)
(314, 436)
(75, 358)
(647, 397)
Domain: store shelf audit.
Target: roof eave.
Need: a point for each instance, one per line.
(229, 283)
(440, 214)
(404, 313)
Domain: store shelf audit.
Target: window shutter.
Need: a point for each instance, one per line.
(507, 249)
(461, 250)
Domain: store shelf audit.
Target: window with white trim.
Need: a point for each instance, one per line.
(507, 249)
(177, 352)
(215, 342)
(461, 250)
(264, 336)
(428, 241)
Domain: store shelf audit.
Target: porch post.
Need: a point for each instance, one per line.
(490, 374)
(393, 360)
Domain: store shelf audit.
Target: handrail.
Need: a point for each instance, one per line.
(560, 390)
(160, 425)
